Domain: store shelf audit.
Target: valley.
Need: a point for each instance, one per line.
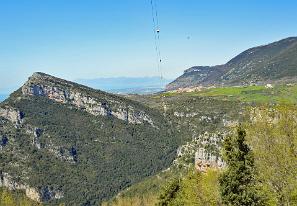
(204, 119)
(148, 103)
(63, 143)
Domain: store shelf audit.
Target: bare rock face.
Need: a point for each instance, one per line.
(36, 134)
(44, 194)
(11, 114)
(204, 149)
(205, 160)
(62, 153)
(79, 96)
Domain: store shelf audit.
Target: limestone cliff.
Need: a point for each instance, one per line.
(38, 195)
(82, 97)
(62, 142)
(13, 115)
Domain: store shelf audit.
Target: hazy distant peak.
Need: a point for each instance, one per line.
(262, 64)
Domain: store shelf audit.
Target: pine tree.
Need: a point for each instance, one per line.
(238, 182)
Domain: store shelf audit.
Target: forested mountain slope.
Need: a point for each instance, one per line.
(62, 142)
(203, 119)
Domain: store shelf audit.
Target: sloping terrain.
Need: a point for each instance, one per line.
(203, 119)
(201, 122)
(15, 198)
(62, 142)
(268, 63)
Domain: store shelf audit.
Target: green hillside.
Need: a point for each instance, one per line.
(69, 154)
(228, 104)
(67, 143)
(279, 94)
(275, 62)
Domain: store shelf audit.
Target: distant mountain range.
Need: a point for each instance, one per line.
(127, 85)
(269, 63)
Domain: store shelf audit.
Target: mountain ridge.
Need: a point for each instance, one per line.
(62, 142)
(41, 84)
(258, 65)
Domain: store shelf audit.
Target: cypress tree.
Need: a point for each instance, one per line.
(238, 182)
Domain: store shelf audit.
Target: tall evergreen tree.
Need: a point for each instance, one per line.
(238, 182)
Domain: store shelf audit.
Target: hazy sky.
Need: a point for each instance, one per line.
(103, 38)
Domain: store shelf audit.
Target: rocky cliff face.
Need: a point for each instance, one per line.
(65, 92)
(44, 194)
(62, 142)
(204, 149)
(11, 114)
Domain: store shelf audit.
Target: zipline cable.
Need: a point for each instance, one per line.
(156, 29)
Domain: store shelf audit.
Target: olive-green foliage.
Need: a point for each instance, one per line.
(277, 169)
(186, 127)
(146, 200)
(208, 189)
(143, 193)
(238, 181)
(214, 111)
(273, 136)
(111, 154)
(15, 198)
(195, 188)
(169, 193)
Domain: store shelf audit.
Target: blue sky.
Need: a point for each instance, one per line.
(76, 39)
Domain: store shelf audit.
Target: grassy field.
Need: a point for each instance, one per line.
(281, 94)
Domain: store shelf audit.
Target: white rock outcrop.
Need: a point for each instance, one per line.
(37, 195)
(13, 115)
(68, 93)
(205, 160)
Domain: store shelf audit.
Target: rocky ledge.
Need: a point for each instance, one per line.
(13, 115)
(38, 195)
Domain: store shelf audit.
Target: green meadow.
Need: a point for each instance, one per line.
(280, 94)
